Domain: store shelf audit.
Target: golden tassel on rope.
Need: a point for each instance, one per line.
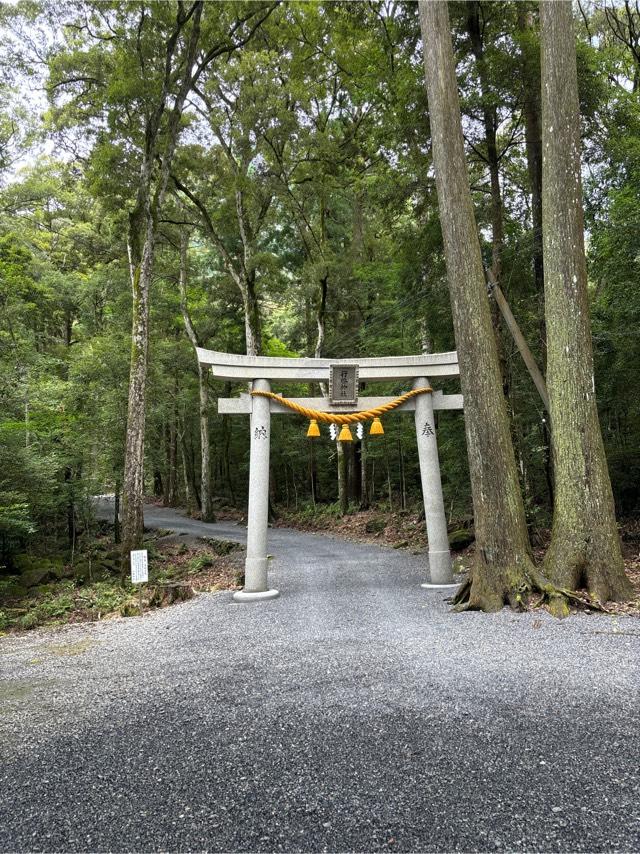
(314, 431)
(345, 434)
(376, 428)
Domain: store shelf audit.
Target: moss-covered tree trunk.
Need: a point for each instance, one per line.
(585, 547)
(503, 568)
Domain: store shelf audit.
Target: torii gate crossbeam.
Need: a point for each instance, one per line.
(259, 370)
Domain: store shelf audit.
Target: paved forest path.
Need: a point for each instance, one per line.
(354, 713)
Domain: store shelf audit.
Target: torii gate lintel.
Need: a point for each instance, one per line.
(259, 370)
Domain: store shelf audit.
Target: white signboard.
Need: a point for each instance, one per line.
(139, 567)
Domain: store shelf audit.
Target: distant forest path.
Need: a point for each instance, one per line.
(356, 712)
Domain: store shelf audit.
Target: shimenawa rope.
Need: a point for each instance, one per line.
(343, 417)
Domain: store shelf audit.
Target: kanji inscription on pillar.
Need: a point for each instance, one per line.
(427, 430)
(260, 432)
(343, 384)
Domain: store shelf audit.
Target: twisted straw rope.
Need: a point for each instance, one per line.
(345, 417)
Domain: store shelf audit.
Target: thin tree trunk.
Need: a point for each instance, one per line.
(585, 546)
(388, 468)
(71, 508)
(364, 475)
(203, 388)
(116, 514)
(503, 564)
(321, 316)
(372, 489)
(530, 65)
(172, 451)
(403, 489)
(343, 495)
(190, 490)
(490, 121)
(158, 488)
(252, 321)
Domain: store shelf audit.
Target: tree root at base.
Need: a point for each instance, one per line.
(532, 588)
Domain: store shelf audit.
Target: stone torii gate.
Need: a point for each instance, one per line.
(342, 377)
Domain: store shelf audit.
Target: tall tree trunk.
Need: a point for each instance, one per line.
(585, 547)
(203, 388)
(133, 480)
(142, 235)
(530, 66)
(503, 565)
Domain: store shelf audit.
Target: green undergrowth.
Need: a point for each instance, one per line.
(51, 590)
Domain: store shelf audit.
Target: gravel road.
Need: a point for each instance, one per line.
(354, 713)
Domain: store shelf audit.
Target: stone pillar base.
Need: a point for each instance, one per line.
(428, 586)
(255, 574)
(256, 596)
(440, 568)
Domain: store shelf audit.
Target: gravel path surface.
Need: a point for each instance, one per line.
(354, 713)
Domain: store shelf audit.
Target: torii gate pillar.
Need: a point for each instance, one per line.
(439, 554)
(255, 567)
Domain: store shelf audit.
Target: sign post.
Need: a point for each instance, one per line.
(139, 570)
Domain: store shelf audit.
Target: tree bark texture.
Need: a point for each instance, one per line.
(585, 546)
(503, 565)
